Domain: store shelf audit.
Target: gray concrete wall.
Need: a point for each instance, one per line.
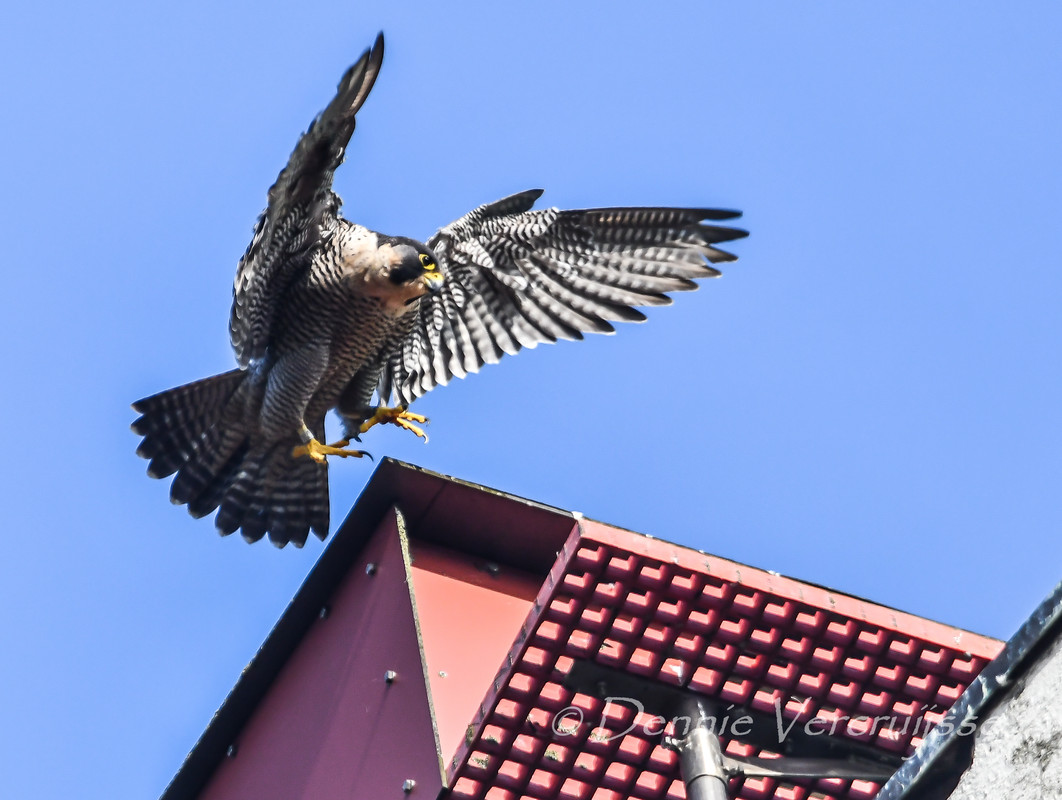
(1018, 750)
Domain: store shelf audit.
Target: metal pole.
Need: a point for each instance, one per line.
(700, 757)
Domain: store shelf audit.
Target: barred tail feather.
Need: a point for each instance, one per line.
(276, 494)
(242, 504)
(173, 422)
(211, 495)
(200, 431)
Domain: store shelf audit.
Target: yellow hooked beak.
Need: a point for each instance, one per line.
(433, 281)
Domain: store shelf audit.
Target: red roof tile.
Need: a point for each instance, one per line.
(734, 633)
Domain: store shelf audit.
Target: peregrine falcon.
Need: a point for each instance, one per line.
(327, 314)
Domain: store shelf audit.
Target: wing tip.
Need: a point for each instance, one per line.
(717, 213)
(361, 75)
(718, 257)
(521, 201)
(714, 234)
(376, 52)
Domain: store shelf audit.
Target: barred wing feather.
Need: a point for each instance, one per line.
(300, 213)
(516, 277)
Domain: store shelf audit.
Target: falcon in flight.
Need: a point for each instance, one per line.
(327, 314)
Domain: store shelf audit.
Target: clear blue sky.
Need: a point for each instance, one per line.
(870, 399)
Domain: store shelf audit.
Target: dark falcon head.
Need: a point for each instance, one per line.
(411, 264)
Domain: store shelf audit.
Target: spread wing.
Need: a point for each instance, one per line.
(298, 217)
(516, 277)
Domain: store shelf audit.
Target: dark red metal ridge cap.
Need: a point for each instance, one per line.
(428, 500)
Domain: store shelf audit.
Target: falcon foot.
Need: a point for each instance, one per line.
(318, 452)
(396, 416)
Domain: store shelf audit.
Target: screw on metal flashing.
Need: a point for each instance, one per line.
(492, 568)
(370, 569)
(323, 613)
(408, 784)
(389, 676)
(231, 751)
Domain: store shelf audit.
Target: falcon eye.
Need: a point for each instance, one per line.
(426, 262)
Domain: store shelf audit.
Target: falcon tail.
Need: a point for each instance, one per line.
(199, 431)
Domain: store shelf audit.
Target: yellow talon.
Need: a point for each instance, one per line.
(396, 416)
(318, 452)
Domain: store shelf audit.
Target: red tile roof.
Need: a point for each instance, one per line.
(747, 638)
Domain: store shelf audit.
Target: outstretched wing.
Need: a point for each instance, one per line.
(301, 206)
(516, 277)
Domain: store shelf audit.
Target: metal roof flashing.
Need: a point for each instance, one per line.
(947, 751)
